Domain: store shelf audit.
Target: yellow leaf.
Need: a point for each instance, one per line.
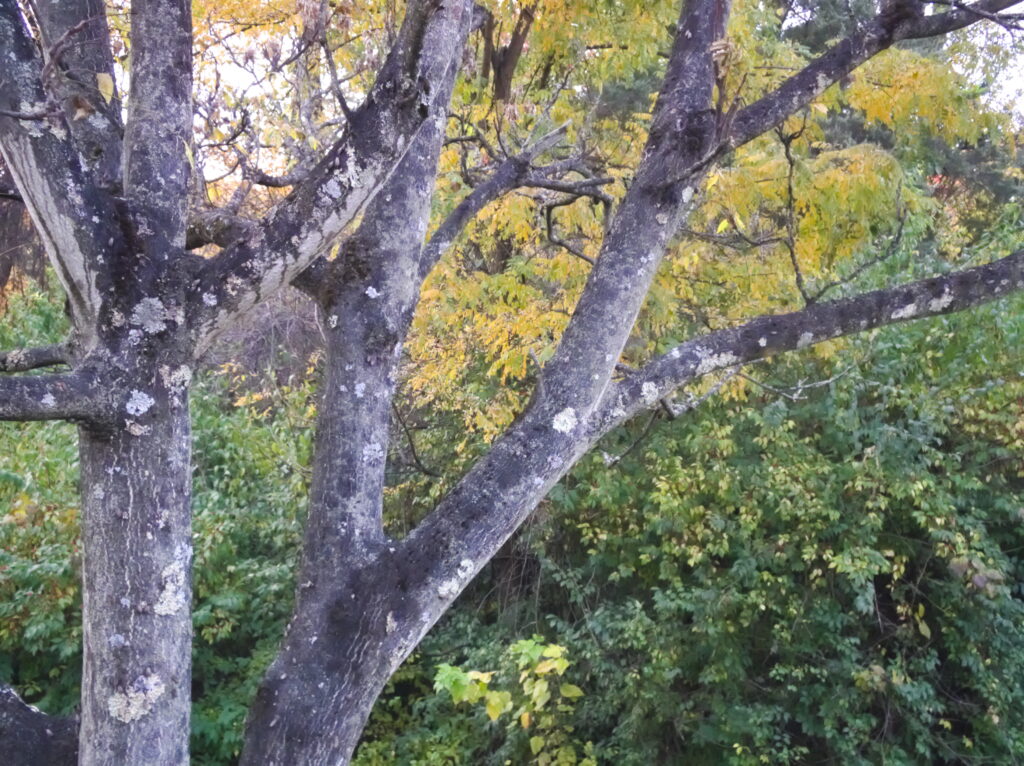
(105, 84)
(925, 630)
(545, 666)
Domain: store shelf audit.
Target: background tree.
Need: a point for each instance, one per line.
(116, 217)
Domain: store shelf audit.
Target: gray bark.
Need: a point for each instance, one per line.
(112, 215)
(136, 582)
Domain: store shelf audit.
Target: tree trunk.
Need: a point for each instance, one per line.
(136, 487)
(348, 638)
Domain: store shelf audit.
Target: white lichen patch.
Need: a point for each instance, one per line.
(172, 593)
(209, 299)
(137, 700)
(941, 303)
(805, 340)
(710, 361)
(450, 588)
(139, 403)
(649, 393)
(176, 379)
(372, 452)
(372, 293)
(360, 390)
(904, 313)
(565, 421)
(332, 321)
(332, 189)
(137, 429)
(151, 315)
(48, 401)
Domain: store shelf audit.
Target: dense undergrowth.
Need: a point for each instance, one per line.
(795, 574)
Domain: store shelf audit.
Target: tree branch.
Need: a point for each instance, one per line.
(307, 222)
(872, 38)
(28, 736)
(158, 131)
(75, 61)
(78, 396)
(492, 500)
(75, 219)
(769, 335)
(25, 359)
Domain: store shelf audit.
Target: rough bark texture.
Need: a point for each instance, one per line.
(137, 596)
(112, 216)
(336, 657)
(29, 736)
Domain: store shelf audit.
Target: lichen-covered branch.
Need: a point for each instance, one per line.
(75, 219)
(79, 74)
(774, 334)
(158, 131)
(309, 220)
(869, 40)
(25, 359)
(77, 396)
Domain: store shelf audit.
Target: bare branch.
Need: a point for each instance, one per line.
(157, 172)
(306, 223)
(872, 38)
(78, 395)
(75, 219)
(769, 335)
(77, 57)
(25, 359)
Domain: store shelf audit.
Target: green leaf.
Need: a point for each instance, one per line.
(571, 691)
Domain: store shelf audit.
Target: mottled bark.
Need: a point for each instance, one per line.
(158, 131)
(29, 736)
(143, 310)
(79, 67)
(136, 581)
(22, 360)
(314, 700)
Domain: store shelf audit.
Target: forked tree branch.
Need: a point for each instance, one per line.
(307, 222)
(575, 402)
